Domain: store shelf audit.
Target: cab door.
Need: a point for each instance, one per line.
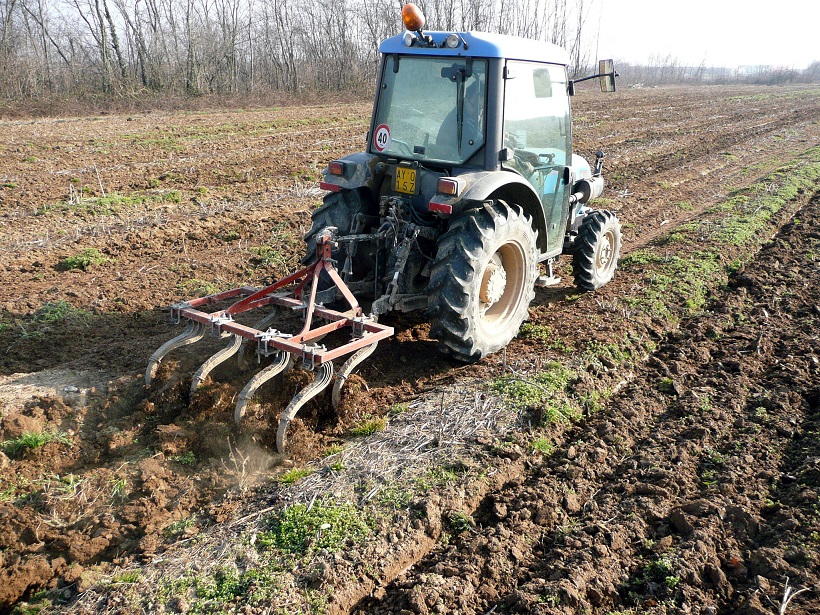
(537, 129)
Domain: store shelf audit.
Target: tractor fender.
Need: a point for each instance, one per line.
(360, 171)
(483, 186)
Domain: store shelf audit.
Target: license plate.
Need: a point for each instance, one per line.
(405, 180)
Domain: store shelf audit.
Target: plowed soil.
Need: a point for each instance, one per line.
(694, 489)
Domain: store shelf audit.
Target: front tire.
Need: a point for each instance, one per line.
(597, 249)
(483, 280)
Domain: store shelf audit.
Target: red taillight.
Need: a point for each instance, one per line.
(442, 208)
(336, 167)
(329, 187)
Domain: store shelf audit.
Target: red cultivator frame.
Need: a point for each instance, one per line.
(365, 334)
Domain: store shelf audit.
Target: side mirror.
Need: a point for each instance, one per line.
(606, 71)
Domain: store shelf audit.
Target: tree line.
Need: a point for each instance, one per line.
(193, 47)
(144, 48)
(666, 70)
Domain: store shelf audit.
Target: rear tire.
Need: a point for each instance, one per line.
(483, 280)
(597, 249)
(338, 210)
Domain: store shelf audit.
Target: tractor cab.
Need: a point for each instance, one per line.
(463, 118)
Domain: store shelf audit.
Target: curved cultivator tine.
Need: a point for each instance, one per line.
(324, 373)
(347, 369)
(214, 360)
(193, 333)
(280, 363)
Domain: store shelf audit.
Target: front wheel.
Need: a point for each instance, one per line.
(483, 280)
(597, 249)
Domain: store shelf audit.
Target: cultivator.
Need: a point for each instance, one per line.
(284, 349)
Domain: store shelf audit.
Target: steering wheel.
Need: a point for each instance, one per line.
(407, 149)
(527, 157)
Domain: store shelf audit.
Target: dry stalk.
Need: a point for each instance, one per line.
(238, 466)
(788, 594)
(99, 179)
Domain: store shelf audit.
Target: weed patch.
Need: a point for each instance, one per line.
(59, 311)
(368, 427)
(198, 288)
(294, 475)
(543, 446)
(31, 441)
(80, 202)
(550, 383)
(324, 525)
(90, 257)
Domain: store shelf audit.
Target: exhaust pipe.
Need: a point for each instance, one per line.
(585, 190)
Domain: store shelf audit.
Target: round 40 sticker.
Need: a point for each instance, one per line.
(381, 138)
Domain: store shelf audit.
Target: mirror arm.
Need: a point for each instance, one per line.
(615, 74)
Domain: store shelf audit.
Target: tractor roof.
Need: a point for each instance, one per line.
(482, 45)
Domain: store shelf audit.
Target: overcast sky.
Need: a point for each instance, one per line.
(718, 32)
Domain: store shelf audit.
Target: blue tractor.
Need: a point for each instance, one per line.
(467, 186)
(468, 183)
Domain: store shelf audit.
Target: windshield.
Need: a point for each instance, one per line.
(431, 109)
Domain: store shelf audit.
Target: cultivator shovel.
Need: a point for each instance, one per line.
(296, 292)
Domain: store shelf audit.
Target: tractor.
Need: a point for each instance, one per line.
(467, 188)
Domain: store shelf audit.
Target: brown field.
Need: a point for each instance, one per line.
(653, 447)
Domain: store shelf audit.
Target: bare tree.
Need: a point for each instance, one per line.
(229, 46)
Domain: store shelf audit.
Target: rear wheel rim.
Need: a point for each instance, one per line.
(494, 317)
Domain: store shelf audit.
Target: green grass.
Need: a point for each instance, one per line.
(167, 142)
(730, 233)
(547, 392)
(368, 427)
(177, 528)
(299, 529)
(197, 288)
(612, 353)
(661, 570)
(119, 488)
(129, 577)
(544, 334)
(393, 497)
(460, 522)
(226, 588)
(282, 251)
(188, 458)
(397, 409)
(551, 382)
(440, 477)
(34, 440)
(59, 311)
(267, 256)
(543, 446)
(294, 475)
(90, 257)
(109, 204)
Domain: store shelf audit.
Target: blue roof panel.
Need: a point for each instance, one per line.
(482, 45)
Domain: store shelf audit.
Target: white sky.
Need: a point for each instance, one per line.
(716, 32)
